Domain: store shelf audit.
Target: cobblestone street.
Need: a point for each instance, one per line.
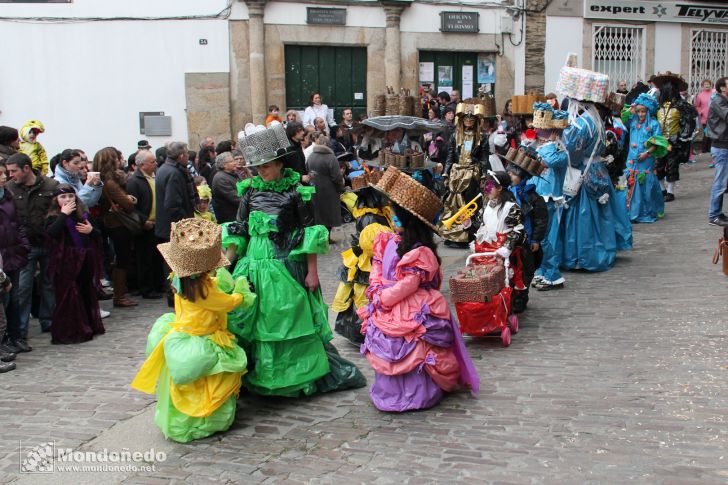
(622, 376)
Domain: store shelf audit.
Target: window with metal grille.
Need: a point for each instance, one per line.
(708, 58)
(619, 52)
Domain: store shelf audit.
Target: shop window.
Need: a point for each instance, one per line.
(708, 59)
(619, 52)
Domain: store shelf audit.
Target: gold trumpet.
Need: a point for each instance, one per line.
(463, 214)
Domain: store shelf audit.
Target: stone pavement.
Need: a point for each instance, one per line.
(622, 376)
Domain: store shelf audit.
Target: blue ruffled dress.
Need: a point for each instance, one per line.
(592, 233)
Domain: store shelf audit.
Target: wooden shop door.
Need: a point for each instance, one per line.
(338, 73)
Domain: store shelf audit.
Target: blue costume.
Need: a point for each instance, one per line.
(595, 225)
(644, 201)
(550, 187)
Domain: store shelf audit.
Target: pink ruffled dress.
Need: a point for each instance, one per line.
(411, 340)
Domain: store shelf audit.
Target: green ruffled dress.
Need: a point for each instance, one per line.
(286, 333)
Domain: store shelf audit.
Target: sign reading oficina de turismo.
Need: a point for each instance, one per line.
(657, 11)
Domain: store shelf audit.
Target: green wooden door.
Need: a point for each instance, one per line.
(338, 73)
(456, 60)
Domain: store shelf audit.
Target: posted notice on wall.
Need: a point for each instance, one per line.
(486, 69)
(467, 82)
(444, 76)
(427, 72)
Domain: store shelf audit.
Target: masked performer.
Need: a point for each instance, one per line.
(677, 120)
(467, 161)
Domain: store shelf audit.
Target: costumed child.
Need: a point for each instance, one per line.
(202, 206)
(372, 216)
(192, 358)
(74, 269)
(644, 200)
(535, 222)
(550, 186)
(411, 341)
(286, 333)
(502, 230)
(467, 161)
(31, 146)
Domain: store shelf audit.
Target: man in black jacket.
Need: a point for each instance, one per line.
(33, 194)
(175, 191)
(149, 263)
(225, 189)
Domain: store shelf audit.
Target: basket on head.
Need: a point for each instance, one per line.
(195, 247)
(582, 84)
(409, 194)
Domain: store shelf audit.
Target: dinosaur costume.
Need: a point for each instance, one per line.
(31, 147)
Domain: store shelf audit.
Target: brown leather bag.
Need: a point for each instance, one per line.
(722, 250)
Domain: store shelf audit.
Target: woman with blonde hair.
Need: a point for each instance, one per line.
(115, 200)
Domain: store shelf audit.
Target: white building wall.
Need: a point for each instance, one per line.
(88, 81)
(668, 48)
(563, 35)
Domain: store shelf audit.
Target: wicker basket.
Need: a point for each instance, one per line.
(542, 119)
(365, 179)
(477, 283)
(392, 106)
(559, 124)
(417, 160)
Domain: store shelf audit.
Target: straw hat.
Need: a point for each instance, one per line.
(409, 194)
(195, 247)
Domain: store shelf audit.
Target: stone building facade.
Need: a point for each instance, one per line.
(394, 34)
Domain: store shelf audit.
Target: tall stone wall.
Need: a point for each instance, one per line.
(535, 44)
(208, 106)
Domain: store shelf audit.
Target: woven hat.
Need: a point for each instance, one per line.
(524, 158)
(195, 247)
(661, 78)
(409, 194)
(261, 145)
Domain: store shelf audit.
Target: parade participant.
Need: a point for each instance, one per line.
(372, 216)
(535, 222)
(677, 120)
(73, 267)
(644, 200)
(502, 230)
(192, 358)
(411, 340)
(595, 224)
(31, 146)
(202, 206)
(467, 160)
(550, 186)
(286, 333)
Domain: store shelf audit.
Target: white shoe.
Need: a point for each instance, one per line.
(104, 313)
(105, 283)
